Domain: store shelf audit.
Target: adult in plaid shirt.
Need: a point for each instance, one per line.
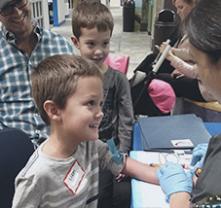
(23, 44)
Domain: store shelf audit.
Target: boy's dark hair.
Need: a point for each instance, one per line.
(56, 77)
(89, 15)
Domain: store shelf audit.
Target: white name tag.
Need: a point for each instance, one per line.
(74, 177)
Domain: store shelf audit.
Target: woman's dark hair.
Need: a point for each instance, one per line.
(203, 26)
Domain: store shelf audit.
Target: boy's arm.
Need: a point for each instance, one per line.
(125, 114)
(141, 171)
(120, 163)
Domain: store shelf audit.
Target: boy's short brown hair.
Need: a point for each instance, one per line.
(56, 77)
(90, 14)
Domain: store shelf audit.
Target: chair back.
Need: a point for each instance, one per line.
(118, 62)
(15, 150)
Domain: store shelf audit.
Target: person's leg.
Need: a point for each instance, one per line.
(105, 189)
(183, 87)
(146, 64)
(122, 193)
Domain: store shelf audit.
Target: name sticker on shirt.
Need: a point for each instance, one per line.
(74, 177)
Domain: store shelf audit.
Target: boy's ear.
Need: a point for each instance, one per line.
(75, 41)
(52, 110)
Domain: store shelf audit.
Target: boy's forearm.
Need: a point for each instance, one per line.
(141, 171)
(180, 200)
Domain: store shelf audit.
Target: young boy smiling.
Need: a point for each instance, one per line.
(92, 25)
(63, 171)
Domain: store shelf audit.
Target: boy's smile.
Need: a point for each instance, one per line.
(93, 45)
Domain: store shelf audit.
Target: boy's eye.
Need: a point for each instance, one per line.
(91, 103)
(90, 44)
(106, 43)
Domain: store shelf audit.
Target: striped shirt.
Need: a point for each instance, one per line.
(42, 183)
(17, 108)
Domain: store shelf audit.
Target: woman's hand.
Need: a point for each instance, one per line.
(198, 155)
(174, 179)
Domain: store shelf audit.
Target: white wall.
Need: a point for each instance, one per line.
(40, 12)
(114, 3)
(61, 10)
(111, 3)
(45, 14)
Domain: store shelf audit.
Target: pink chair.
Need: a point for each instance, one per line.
(118, 62)
(162, 95)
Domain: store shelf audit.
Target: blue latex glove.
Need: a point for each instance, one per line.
(173, 179)
(198, 155)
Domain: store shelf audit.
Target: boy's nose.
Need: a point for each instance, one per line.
(100, 114)
(98, 51)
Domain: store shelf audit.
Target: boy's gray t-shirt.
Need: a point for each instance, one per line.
(47, 182)
(118, 117)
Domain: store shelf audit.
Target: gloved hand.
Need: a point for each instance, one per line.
(173, 179)
(198, 155)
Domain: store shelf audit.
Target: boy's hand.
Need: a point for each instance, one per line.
(173, 179)
(120, 177)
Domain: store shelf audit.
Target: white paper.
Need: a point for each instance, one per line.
(145, 195)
